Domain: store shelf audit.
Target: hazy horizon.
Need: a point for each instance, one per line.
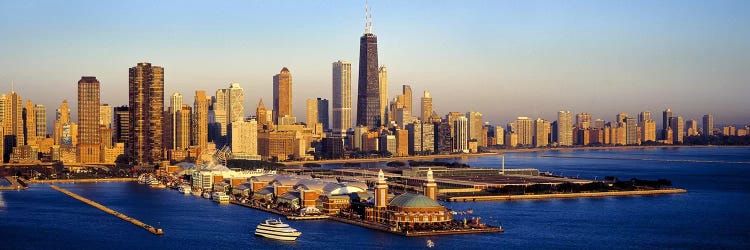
(504, 59)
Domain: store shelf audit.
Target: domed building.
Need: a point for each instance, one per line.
(407, 208)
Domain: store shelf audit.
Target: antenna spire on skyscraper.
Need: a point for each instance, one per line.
(368, 19)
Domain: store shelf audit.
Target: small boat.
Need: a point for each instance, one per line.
(275, 229)
(219, 197)
(430, 244)
(185, 189)
(207, 195)
(197, 192)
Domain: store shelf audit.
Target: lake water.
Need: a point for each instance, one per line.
(713, 214)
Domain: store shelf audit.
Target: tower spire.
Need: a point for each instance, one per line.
(368, 19)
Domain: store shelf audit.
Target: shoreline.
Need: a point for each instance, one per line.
(126, 179)
(564, 196)
(493, 152)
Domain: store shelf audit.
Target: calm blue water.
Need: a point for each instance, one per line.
(713, 214)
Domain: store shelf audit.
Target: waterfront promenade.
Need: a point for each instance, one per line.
(155, 231)
(386, 159)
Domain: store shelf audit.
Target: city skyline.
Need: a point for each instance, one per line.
(685, 90)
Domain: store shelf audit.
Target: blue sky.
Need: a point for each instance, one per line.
(502, 58)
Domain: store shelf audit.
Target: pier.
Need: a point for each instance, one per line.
(83, 180)
(155, 231)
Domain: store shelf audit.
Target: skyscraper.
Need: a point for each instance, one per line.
(426, 106)
(323, 113)
(121, 129)
(89, 141)
(708, 125)
(631, 131)
(583, 120)
(236, 99)
(475, 126)
(175, 105)
(565, 128)
(41, 120)
(666, 118)
(644, 116)
(383, 80)
(146, 106)
(200, 119)
(282, 95)
(29, 122)
(62, 118)
(368, 96)
(13, 121)
(525, 131)
(312, 113)
(408, 101)
(461, 134)
(183, 126)
(264, 122)
(678, 129)
(105, 115)
(342, 97)
(541, 132)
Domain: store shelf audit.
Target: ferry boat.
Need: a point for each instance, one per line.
(275, 229)
(155, 183)
(219, 197)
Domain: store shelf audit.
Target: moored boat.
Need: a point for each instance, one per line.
(275, 229)
(219, 197)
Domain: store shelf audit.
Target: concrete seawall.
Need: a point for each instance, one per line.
(565, 196)
(155, 231)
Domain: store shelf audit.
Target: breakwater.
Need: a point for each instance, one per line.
(155, 231)
(83, 180)
(565, 195)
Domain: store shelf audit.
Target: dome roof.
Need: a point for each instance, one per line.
(413, 200)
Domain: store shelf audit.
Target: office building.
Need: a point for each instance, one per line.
(342, 98)
(708, 125)
(565, 127)
(146, 106)
(282, 95)
(89, 139)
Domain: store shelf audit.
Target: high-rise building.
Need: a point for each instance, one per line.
(170, 133)
(631, 131)
(312, 113)
(121, 124)
(244, 140)
(475, 126)
(666, 118)
(146, 106)
(368, 92)
(565, 127)
(708, 125)
(323, 112)
(29, 122)
(408, 98)
(541, 132)
(183, 127)
(525, 131)
(105, 115)
(644, 116)
(678, 129)
(692, 127)
(443, 137)
(265, 119)
(426, 106)
(342, 97)
(282, 95)
(89, 140)
(648, 130)
(499, 135)
(13, 121)
(236, 99)
(41, 120)
(200, 119)
(62, 119)
(220, 121)
(621, 117)
(583, 120)
(383, 80)
(461, 134)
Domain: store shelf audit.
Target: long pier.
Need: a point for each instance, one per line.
(124, 179)
(153, 230)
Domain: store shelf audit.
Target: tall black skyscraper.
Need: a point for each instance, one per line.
(368, 96)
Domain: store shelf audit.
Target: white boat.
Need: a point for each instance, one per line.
(219, 197)
(197, 192)
(275, 229)
(185, 189)
(207, 195)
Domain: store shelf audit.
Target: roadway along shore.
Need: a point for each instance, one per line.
(566, 196)
(155, 231)
(83, 180)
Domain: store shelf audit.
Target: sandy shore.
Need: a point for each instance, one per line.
(566, 196)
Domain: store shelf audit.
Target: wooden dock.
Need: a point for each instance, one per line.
(155, 231)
